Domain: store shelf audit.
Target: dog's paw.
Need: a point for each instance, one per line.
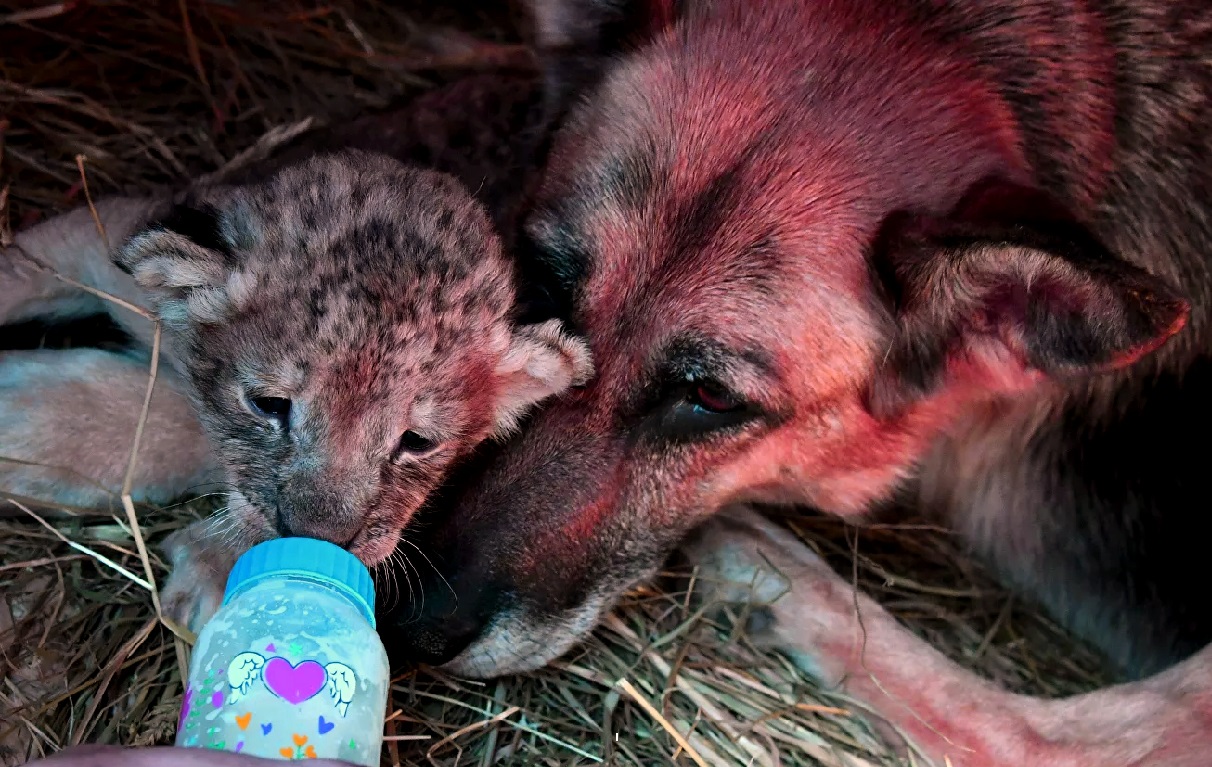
(200, 566)
(796, 602)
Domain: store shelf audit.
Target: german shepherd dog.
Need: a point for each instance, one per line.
(835, 253)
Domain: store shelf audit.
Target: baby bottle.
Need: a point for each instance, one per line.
(290, 667)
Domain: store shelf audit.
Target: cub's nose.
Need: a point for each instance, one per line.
(338, 529)
(323, 503)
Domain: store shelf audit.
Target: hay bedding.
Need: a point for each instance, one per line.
(149, 93)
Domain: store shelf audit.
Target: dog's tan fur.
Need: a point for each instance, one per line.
(950, 715)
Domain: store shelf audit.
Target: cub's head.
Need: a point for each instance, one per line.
(346, 328)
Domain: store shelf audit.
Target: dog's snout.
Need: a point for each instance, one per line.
(434, 640)
(455, 613)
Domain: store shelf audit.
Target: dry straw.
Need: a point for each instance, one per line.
(122, 96)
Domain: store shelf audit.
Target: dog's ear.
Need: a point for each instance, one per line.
(1005, 291)
(577, 38)
(540, 361)
(184, 260)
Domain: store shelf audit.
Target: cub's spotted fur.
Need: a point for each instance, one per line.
(345, 332)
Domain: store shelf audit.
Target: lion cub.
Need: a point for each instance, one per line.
(344, 330)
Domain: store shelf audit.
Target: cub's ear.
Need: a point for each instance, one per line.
(577, 38)
(1005, 291)
(183, 260)
(541, 361)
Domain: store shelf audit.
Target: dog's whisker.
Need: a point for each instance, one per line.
(432, 566)
(406, 566)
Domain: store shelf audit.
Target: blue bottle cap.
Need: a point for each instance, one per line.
(307, 558)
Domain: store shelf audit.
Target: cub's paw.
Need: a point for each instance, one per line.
(201, 563)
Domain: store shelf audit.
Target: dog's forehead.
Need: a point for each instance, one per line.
(746, 249)
(700, 199)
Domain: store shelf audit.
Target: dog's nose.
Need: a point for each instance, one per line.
(434, 640)
(453, 615)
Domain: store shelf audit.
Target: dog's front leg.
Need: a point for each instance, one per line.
(950, 715)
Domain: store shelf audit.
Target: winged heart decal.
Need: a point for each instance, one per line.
(291, 682)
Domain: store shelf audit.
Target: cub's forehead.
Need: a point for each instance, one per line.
(361, 269)
(350, 243)
(350, 208)
(364, 359)
(404, 324)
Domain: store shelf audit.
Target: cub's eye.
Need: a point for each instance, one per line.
(412, 442)
(273, 409)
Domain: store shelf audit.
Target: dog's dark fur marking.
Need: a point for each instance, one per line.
(630, 177)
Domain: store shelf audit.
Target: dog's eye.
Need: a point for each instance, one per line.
(701, 408)
(273, 409)
(713, 399)
(412, 442)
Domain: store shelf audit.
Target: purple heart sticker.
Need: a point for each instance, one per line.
(294, 684)
(325, 726)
